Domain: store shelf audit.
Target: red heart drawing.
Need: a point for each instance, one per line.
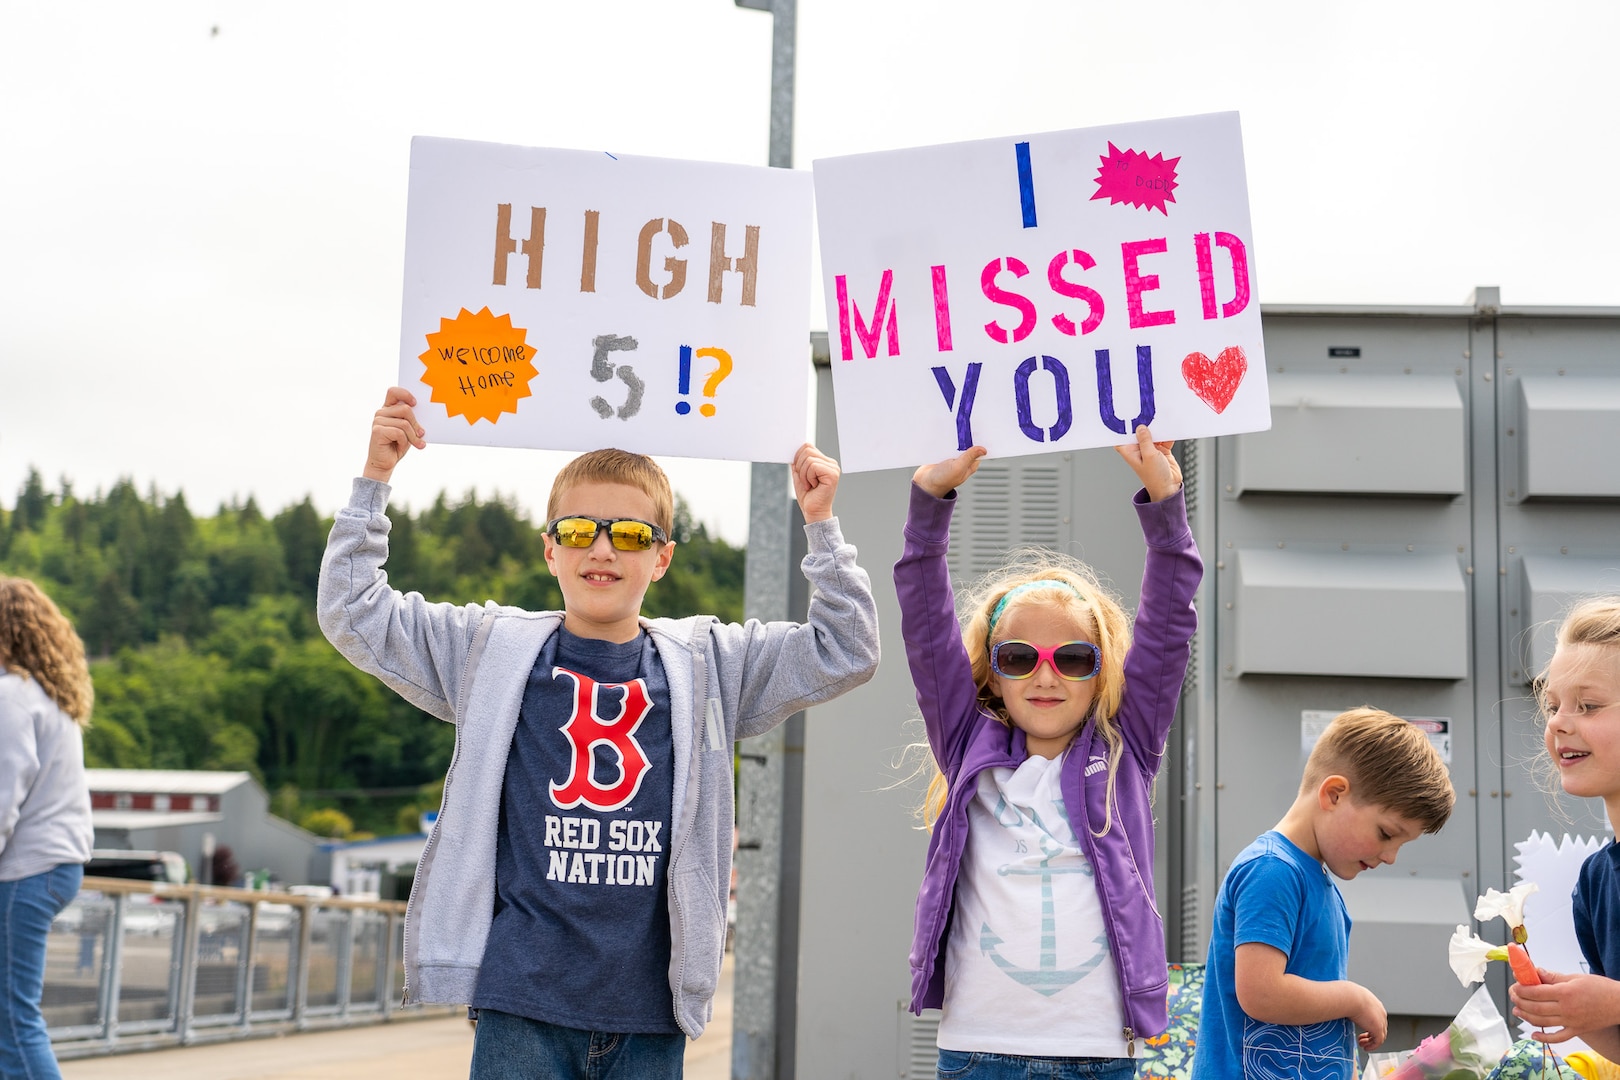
(1215, 381)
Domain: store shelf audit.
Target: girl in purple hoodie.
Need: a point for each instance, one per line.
(1037, 932)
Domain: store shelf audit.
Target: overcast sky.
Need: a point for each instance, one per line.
(202, 205)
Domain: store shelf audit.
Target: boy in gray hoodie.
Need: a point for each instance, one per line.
(574, 888)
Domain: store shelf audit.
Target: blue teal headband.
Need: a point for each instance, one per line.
(1001, 605)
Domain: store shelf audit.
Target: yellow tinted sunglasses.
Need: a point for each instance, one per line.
(626, 534)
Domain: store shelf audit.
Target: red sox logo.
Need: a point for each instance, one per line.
(585, 731)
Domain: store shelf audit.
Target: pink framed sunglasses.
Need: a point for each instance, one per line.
(1075, 661)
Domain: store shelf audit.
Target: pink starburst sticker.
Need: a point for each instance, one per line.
(1129, 176)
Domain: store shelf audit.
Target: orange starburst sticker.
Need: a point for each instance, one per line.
(478, 365)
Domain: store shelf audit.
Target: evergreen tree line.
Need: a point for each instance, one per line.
(205, 652)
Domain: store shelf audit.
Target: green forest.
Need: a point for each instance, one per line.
(206, 655)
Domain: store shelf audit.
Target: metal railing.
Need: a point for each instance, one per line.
(135, 964)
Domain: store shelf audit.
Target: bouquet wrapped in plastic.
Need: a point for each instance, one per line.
(1467, 1050)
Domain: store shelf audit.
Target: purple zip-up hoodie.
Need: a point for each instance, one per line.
(966, 740)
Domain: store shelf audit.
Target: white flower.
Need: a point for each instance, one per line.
(1469, 955)
(1509, 905)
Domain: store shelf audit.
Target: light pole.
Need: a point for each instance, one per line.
(770, 777)
(782, 41)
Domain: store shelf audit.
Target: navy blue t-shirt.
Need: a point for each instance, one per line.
(1597, 911)
(581, 930)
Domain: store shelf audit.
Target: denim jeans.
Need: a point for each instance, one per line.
(961, 1065)
(27, 907)
(511, 1047)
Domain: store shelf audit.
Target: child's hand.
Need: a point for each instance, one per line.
(1567, 1005)
(943, 477)
(815, 481)
(1152, 464)
(394, 430)
(1372, 1023)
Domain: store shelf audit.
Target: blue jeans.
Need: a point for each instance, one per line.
(511, 1047)
(959, 1065)
(27, 907)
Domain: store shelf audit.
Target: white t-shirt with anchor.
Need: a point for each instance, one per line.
(1028, 969)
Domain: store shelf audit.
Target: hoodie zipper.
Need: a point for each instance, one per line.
(427, 851)
(480, 636)
(694, 779)
(1089, 847)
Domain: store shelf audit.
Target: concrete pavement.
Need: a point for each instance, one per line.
(437, 1049)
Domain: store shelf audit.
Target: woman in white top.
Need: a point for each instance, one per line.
(45, 830)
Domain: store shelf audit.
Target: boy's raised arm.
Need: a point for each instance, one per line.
(790, 665)
(394, 430)
(414, 646)
(815, 482)
(1266, 992)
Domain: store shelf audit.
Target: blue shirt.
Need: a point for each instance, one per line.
(581, 931)
(1597, 911)
(1275, 894)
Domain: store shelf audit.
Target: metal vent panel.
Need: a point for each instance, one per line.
(918, 1044)
(1007, 505)
(1190, 912)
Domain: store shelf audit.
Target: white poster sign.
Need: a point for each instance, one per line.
(1042, 292)
(570, 300)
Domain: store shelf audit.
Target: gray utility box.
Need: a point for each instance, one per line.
(1437, 485)
(1556, 498)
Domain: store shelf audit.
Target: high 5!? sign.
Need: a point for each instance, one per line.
(1041, 292)
(570, 300)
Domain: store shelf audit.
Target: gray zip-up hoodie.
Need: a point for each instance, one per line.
(44, 800)
(469, 664)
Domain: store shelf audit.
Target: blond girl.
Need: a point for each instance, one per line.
(1037, 931)
(1580, 701)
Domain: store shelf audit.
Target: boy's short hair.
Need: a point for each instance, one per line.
(612, 466)
(1389, 762)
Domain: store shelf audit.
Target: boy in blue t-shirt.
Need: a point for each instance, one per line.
(1276, 998)
(574, 888)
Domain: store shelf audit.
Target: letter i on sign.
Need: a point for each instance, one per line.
(1026, 185)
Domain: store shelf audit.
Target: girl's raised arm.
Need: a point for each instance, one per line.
(1165, 618)
(1153, 464)
(944, 477)
(940, 670)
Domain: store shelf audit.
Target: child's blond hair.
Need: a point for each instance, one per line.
(38, 642)
(616, 467)
(1389, 762)
(1595, 621)
(1076, 589)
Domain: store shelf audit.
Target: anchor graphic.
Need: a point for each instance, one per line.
(1010, 815)
(1046, 979)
